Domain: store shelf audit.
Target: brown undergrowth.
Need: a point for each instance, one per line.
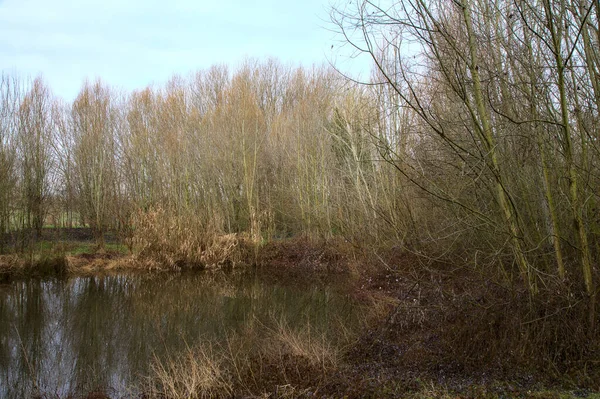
(457, 328)
(16, 266)
(272, 360)
(159, 242)
(62, 265)
(304, 259)
(162, 240)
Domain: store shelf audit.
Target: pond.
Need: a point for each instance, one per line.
(62, 337)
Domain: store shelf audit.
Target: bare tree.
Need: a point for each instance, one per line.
(9, 101)
(35, 155)
(493, 144)
(93, 129)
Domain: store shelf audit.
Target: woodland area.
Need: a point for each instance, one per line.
(475, 142)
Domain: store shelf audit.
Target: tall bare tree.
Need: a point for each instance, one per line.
(35, 155)
(93, 127)
(9, 102)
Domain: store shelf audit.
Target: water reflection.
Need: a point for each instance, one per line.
(60, 337)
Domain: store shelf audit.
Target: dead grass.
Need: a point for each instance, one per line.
(276, 361)
(153, 253)
(10, 262)
(197, 373)
(92, 264)
(307, 344)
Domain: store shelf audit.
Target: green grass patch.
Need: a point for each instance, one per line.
(44, 246)
(78, 248)
(116, 247)
(47, 248)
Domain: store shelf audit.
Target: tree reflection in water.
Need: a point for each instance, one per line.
(63, 337)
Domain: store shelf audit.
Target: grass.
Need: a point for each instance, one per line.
(282, 362)
(156, 248)
(308, 344)
(431, 391)
(263, 361)
(12, 266)
(74, 248)
(196, 373)
(78, 248)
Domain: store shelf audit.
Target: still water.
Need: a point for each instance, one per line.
(59, 337)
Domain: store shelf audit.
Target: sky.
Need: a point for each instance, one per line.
(131, 44)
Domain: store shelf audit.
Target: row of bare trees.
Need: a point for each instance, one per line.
(25, 162)
(491, 108)
(267, 149)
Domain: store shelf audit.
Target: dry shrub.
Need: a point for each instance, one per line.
(15, 266)
(10, 265)
(304, 258)
(164, 239)
(548, 332)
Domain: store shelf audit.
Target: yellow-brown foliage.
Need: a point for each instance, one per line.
(177, 242)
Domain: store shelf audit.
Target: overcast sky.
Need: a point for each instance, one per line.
(133, 43)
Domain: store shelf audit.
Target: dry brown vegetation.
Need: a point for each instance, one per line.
(285, 362)
(161, 242)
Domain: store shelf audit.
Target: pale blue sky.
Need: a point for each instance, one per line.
(131, 44)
